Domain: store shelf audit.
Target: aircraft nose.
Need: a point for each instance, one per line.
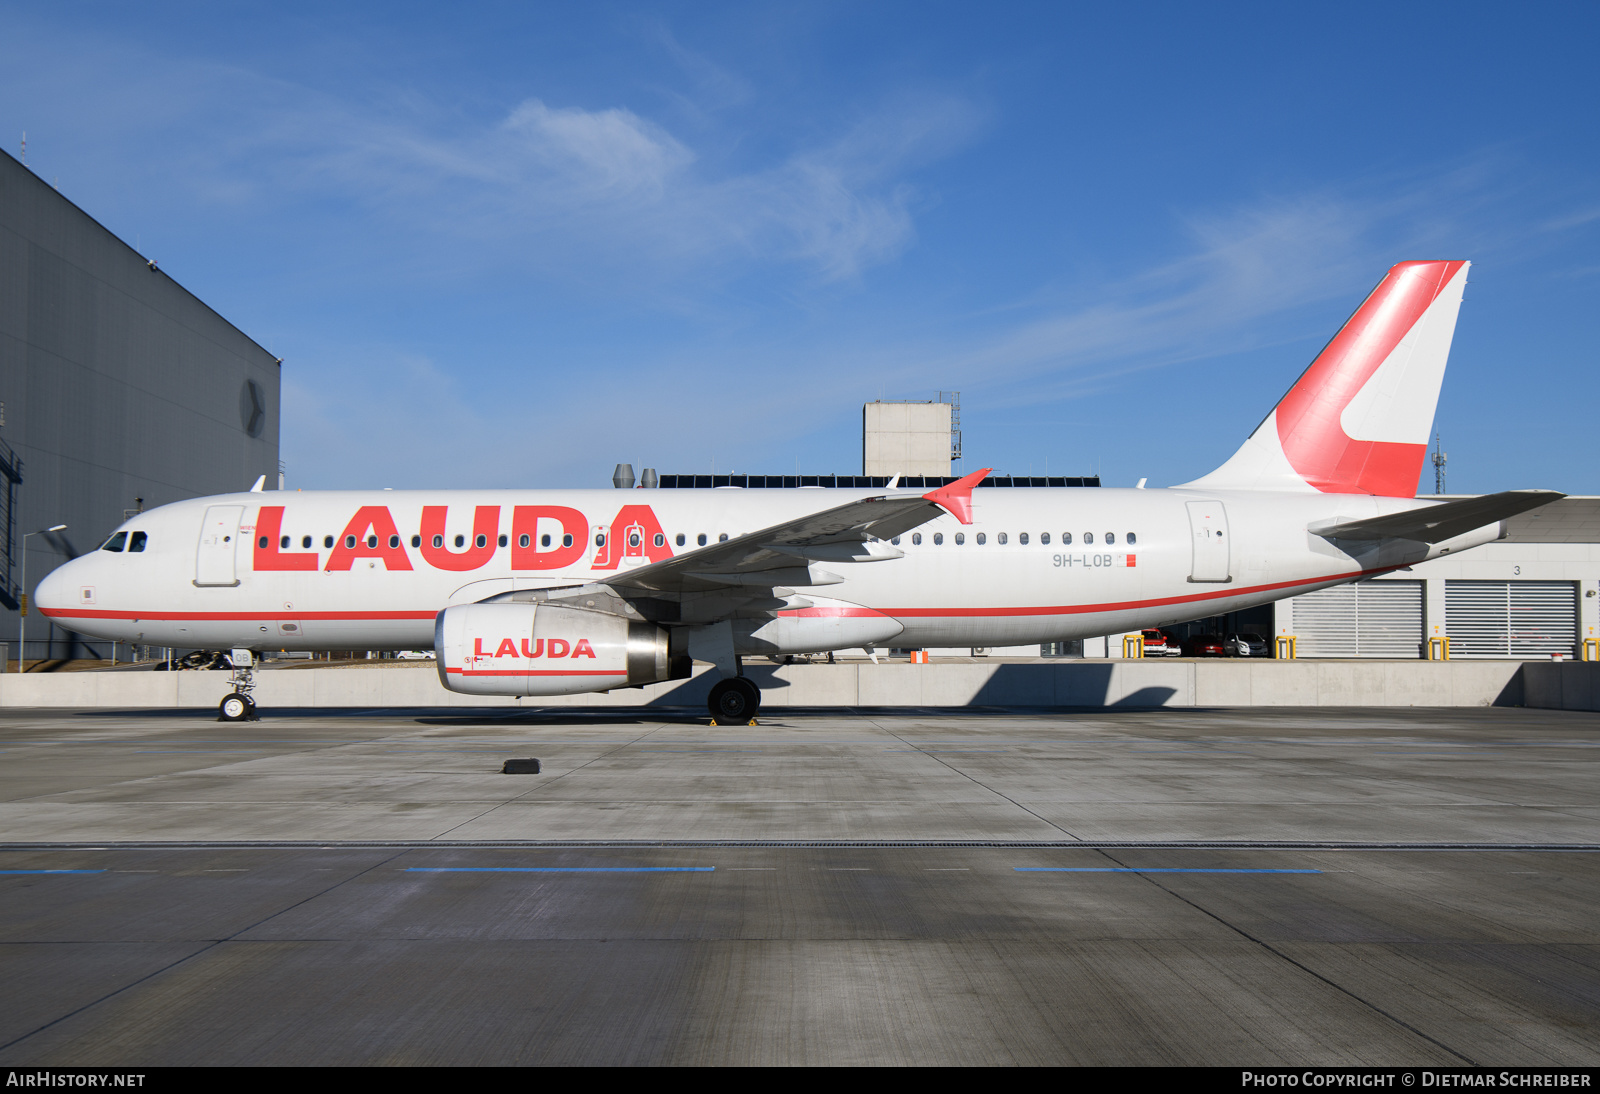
(59, 589)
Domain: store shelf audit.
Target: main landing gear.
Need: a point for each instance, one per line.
(733, 701)
(238, 706)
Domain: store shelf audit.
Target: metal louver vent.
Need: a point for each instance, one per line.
(1512, 618)
(1371, 619)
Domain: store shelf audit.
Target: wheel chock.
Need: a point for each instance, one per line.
(520, 767)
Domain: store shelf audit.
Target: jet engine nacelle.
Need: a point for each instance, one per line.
(548, 649)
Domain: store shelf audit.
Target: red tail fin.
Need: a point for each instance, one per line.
(1357, 421)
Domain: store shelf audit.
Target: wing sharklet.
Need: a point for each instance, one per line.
(956, 498)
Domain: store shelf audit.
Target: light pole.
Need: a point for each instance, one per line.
(22, 616)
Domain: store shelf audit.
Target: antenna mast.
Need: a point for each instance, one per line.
(1439, 459)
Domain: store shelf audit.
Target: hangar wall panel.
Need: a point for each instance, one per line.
(118, 383)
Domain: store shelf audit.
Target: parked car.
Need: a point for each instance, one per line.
(1204, 645)
(1246, 644)
(1158, 643)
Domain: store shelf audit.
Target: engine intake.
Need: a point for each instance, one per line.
(548, 649)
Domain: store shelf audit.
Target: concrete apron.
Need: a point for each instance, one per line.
(1042, 683)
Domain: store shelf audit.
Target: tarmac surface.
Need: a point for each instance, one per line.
(1240, 887)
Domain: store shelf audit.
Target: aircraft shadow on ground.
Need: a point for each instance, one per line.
(1086, 685)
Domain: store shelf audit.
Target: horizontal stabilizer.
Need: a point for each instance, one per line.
(1438, 522)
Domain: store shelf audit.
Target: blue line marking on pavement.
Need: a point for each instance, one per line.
(560, 869)
(52, 871)
(1145, 870)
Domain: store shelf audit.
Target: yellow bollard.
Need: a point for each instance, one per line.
(1286, 647)
(1133, 645)
(1439, 648)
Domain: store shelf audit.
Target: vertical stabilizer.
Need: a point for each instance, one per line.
(1357, 421)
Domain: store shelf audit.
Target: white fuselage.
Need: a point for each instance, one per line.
(1135, 558)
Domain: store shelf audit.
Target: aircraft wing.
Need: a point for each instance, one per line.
(1438, 522)
(796, 552)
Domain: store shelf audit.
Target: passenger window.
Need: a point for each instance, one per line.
(262, 543)
(916, 539)
(723, 538)
(961, 537)
(1131, 538)
(372, 542)
(938, 539)
(600, 540)
(481, 542)
(566, 540)
(633, 539)
(305, 541)
(461, 541)
(283, 544)
(1066, 538)
(416, 541)
(701, 539)
(1111, 537)
(660, 540)
(327, 541)
(982, 539)
(523, 540)
(1023, 539)
(1001, 537)
(681, 539)
(895, 541)
(349, 542)
(394, 541)
(136, 542)
(438, 541)
(504, 541)
(120, 540)
(544, 540)
(1088, 537)
(1044, 537)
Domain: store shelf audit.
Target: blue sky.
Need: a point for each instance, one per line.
(513, 245)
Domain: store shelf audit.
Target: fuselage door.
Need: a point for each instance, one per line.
(1208, 534)
(219, 537)
(633, 546)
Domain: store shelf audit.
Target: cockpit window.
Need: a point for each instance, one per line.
(136, 542)
(116, 542)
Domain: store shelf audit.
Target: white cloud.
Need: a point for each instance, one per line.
(554, 181)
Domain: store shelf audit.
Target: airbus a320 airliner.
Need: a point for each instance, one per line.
(552, 592)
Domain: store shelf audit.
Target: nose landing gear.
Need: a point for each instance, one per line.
(238, 706)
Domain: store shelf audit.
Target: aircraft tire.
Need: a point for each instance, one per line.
(235, 708)
(734, 701)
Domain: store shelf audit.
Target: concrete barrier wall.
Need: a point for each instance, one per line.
(1111, 684)
(1562, 685)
